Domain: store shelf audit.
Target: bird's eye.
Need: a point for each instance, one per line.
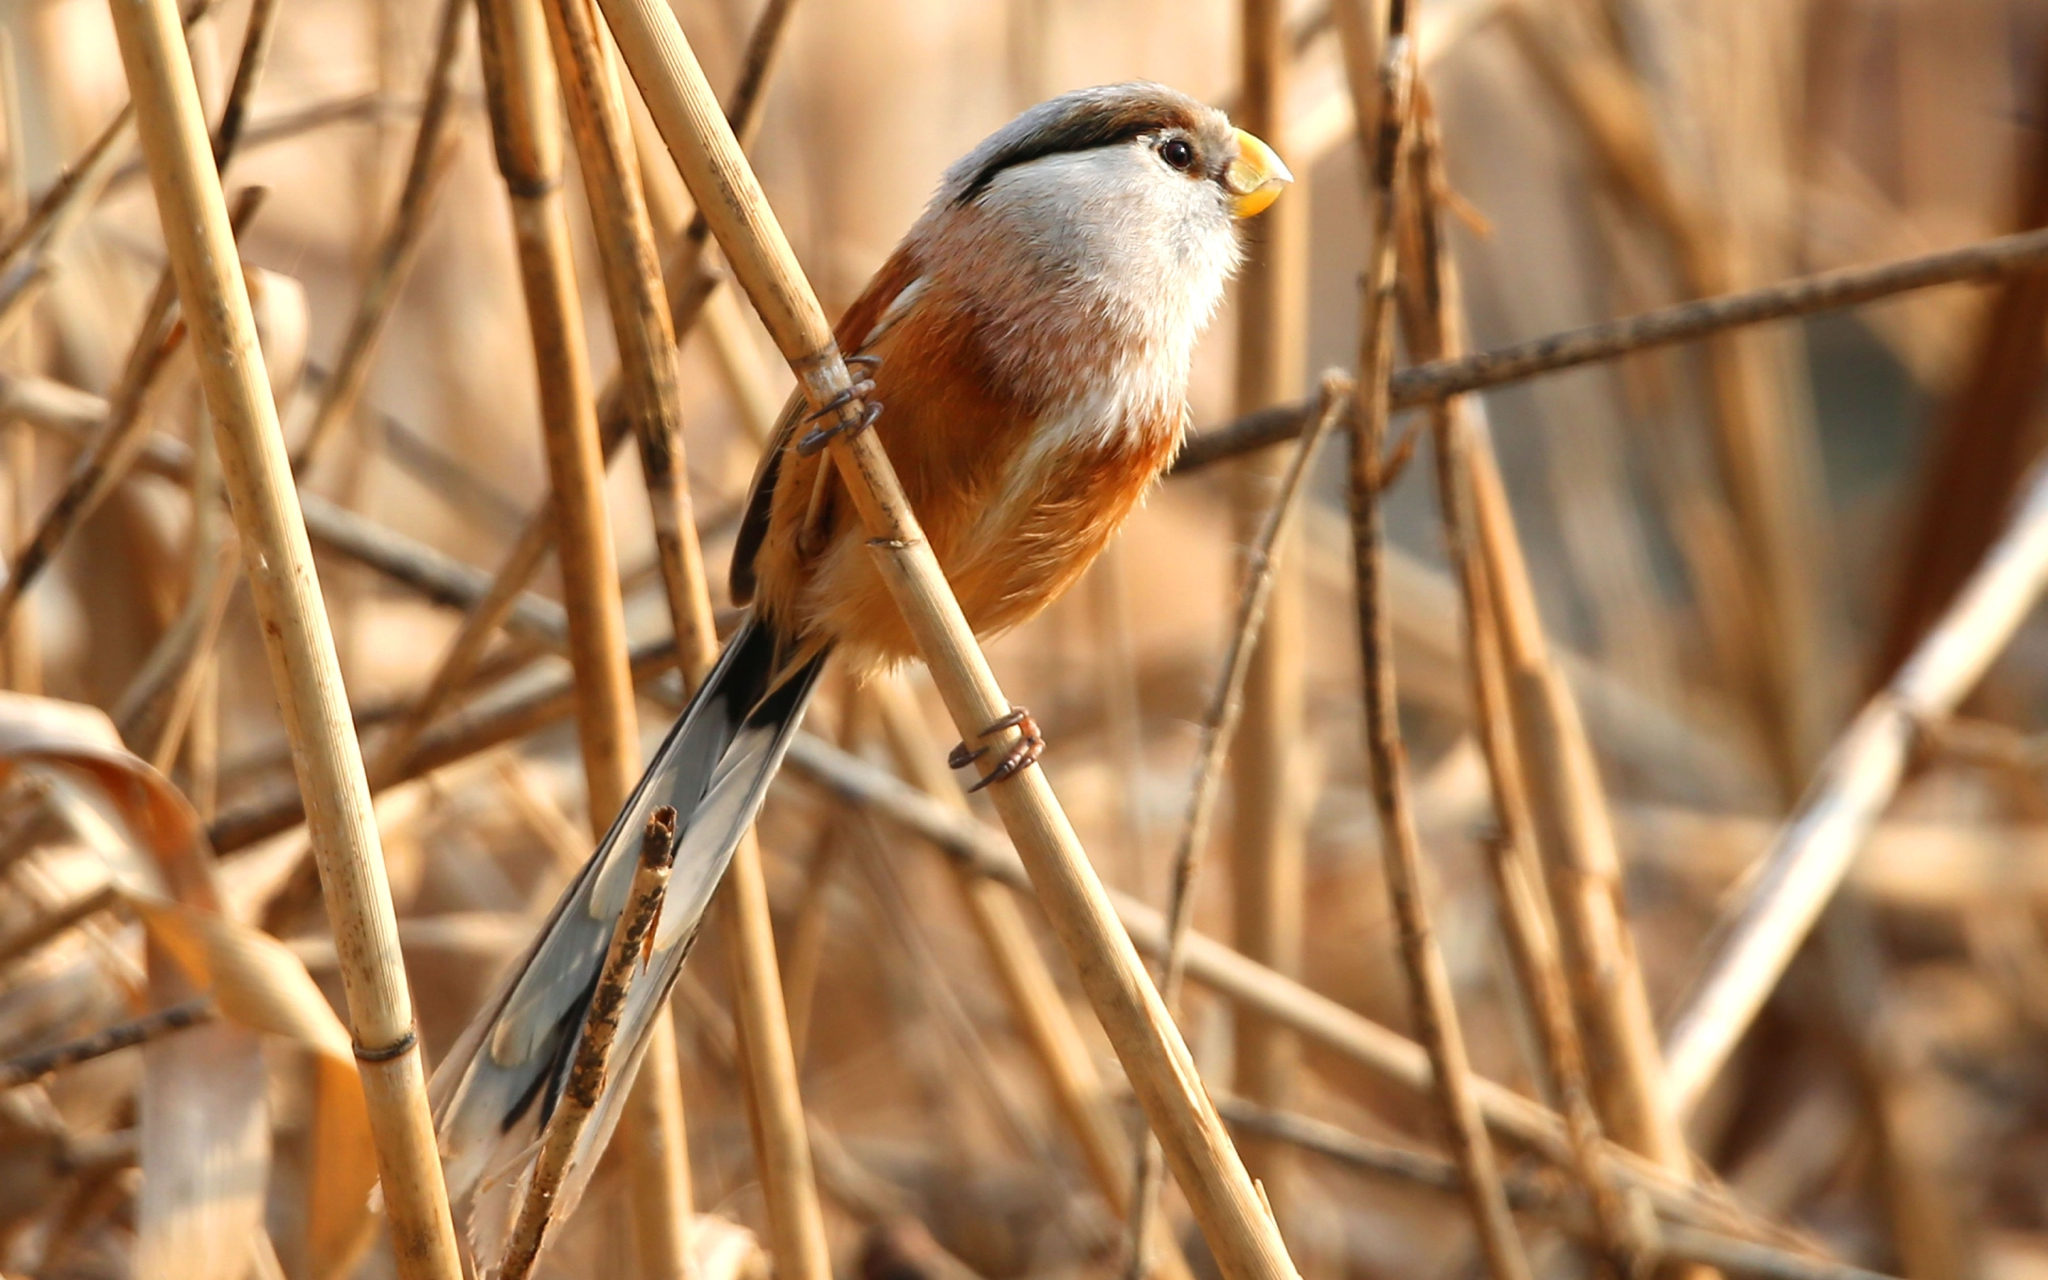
(1177, 153)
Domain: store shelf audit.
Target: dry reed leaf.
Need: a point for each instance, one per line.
(205, 1126)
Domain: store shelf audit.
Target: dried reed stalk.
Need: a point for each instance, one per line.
(433, 151)
(287, 598)
(1237, 1224)
(1679, 1243)
(631, 937)
(653, 405)
(525, 109)
(1268, 812)
(640, 321)
(1245, 982)
(1993, 259)
(1429, 985)
(1227, 705)
(690, 282)
(1434, 327)
(1034, 997)
(1785, 894)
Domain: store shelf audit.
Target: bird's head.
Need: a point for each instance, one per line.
(1144, 133)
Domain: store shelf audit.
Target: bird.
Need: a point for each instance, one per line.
(1023, 357)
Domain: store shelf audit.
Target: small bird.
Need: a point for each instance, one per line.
(1031, 338)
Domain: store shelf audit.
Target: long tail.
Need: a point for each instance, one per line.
(496, 1089)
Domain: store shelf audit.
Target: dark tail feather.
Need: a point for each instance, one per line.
(499, 1084)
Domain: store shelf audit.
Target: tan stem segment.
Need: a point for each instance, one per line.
(1239, 1228)
(1267, 836)
(524, 105)
(286, 593)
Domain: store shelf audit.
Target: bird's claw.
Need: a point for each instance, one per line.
(1021, 754)
(815, 440)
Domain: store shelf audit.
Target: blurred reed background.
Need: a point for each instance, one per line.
(1732, 544)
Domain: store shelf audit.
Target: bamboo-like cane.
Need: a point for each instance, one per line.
(1268, 813)
(631, 936)
(633, 287)
(1236, 1222)
(1784, 897)
(1263, 560)
(287, 598)
(432, 151)
(1429, 985)
(524, 106)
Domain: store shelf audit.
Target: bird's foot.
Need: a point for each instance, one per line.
(1021, 755)
(815, 440)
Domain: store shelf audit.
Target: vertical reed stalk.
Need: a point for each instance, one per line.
(1436, 331)
(525, 110)
(287, 597)
(1239, 1227)
(1429, 984)
(1267, 838)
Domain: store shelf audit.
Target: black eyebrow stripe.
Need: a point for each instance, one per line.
(1079, 132)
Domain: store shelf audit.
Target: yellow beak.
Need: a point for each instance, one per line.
(1255, 177)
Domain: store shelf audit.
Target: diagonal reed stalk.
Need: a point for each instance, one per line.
(301, 649)
(1237, 1224)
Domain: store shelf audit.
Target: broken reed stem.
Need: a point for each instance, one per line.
(30, 1067)
(1434, 327)
(433, 153)
(1034, 996)
(1219, 726)
(1525, 1195)
(125, 430)
(524, 107)
(1239, 1227)
(1685, 322)
(1247, 983)
(294, 626)
(633, 287)
(1429, 985)
(690, 281)
(623, 958)
(653, 404)
(1785, 894)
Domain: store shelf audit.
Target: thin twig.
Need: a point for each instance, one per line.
(127, 427)
(52, 925)
(1219, 726)
(1435, 330)
(1685, 322)
(433, 152)
(287, 597)
(631, 936)
(1680, 1243)
(1345, 1032)
(1429, 986)
(30, 1067)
